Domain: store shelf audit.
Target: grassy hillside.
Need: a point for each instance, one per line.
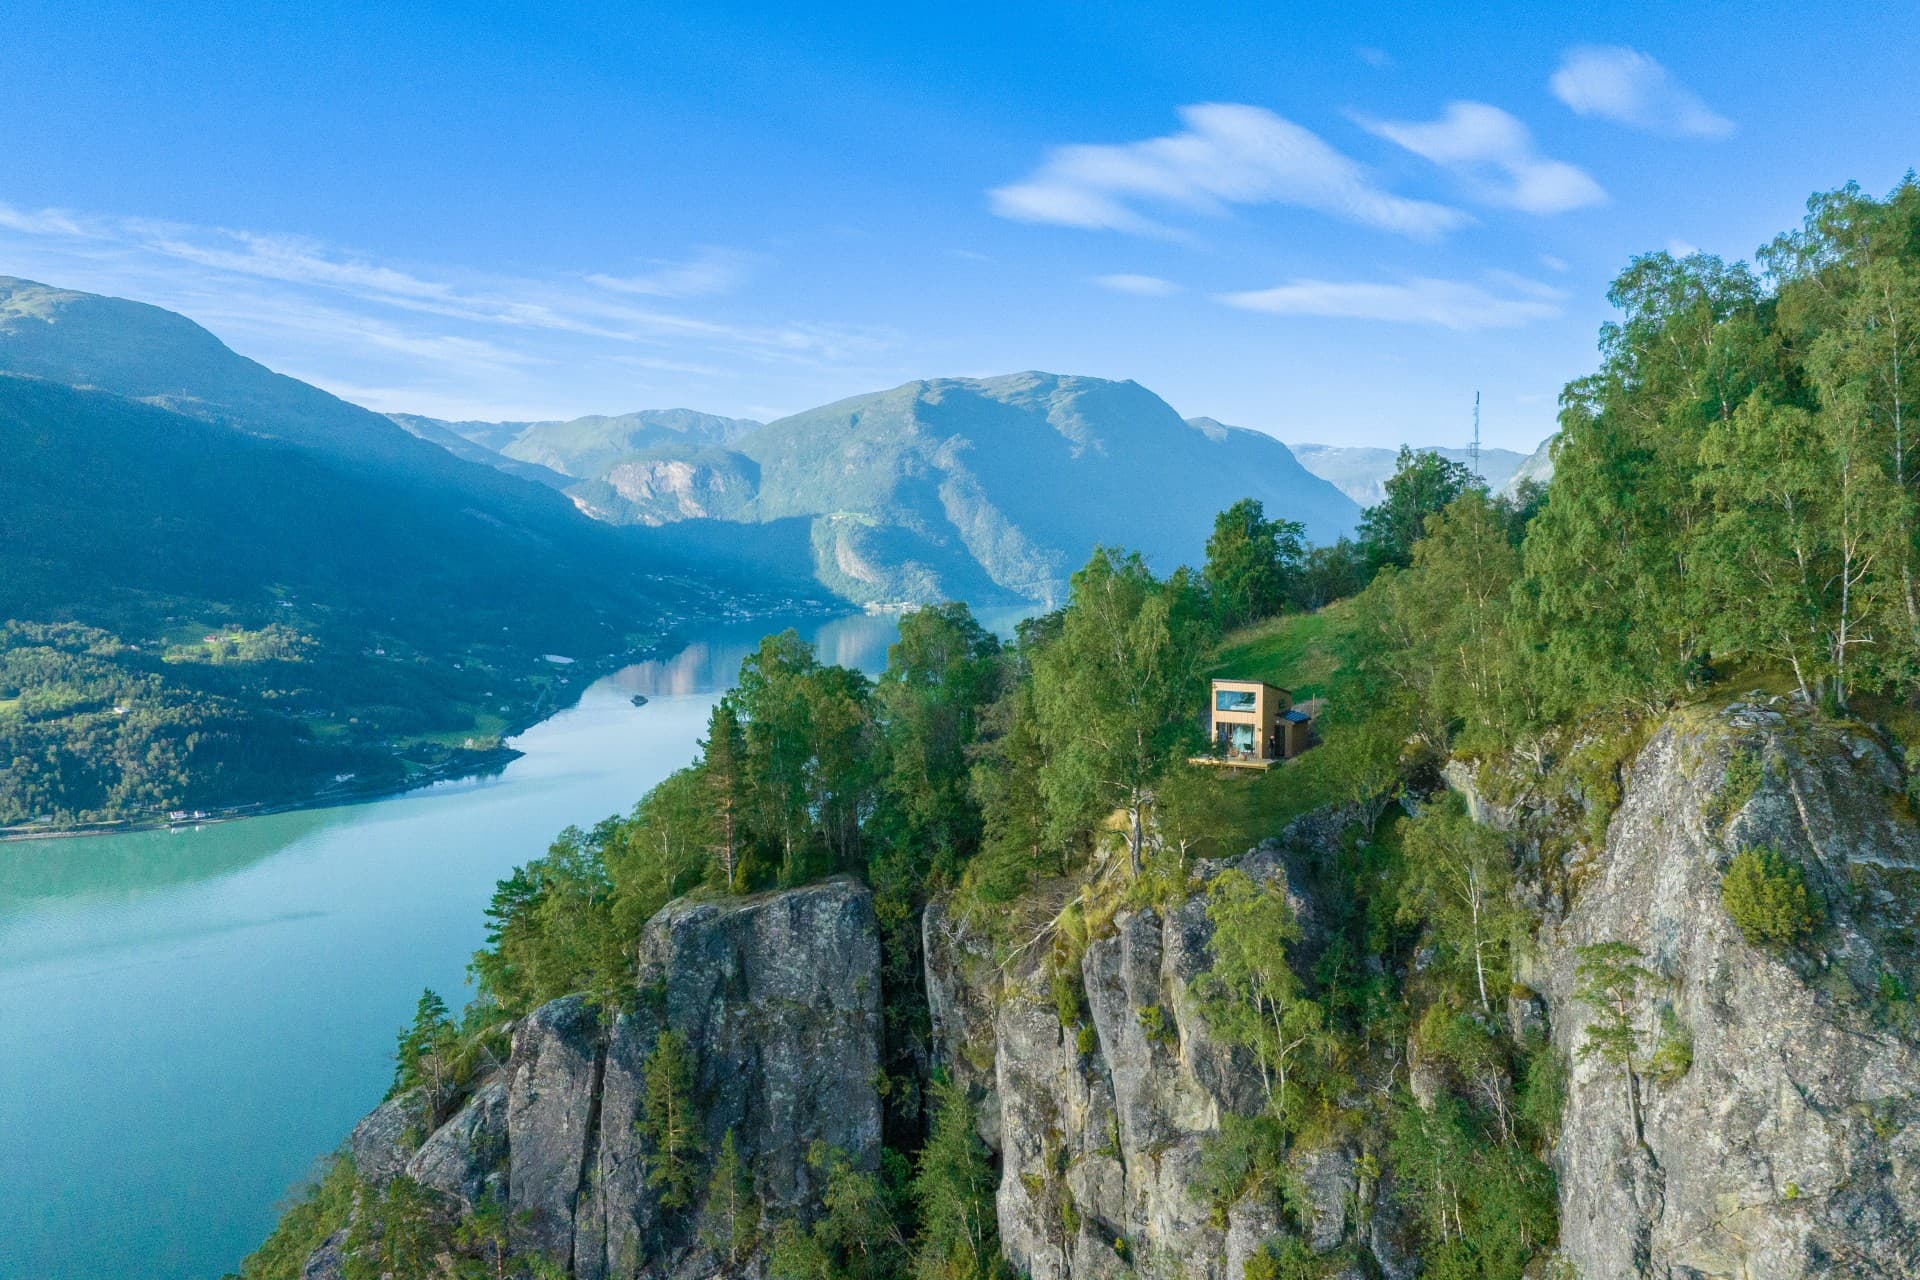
(1297, 651)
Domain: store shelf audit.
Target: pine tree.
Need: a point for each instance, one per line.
(726, 786)
(730, 1221)
(668, 1121)
(953, 1189)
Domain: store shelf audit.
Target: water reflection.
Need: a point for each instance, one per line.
(188, 1018)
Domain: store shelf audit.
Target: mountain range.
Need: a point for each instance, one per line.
(1361, 472)
(986, 489)
(219, 585)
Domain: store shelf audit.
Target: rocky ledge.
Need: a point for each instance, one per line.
(777, 999)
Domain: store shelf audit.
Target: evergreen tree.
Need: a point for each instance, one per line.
(953, 1189)
(1608, 978)
(420, 1057)
(730, 1222)
(668, 1121)
(726, 781)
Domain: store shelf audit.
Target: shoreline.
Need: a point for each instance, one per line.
(488, 760)
(491, 760)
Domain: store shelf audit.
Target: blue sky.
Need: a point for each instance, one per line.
(1332, 223)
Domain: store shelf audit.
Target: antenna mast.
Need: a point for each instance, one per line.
(1474, 451)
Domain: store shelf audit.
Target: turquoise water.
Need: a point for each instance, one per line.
(188, 1018)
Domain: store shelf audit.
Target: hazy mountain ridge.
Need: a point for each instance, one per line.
(978, 488)
(231, 585)
(1361, 471)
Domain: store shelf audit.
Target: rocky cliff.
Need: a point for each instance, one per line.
(777, 999)
(1760, 1125)
(1099, 1125)
(1786, 1143)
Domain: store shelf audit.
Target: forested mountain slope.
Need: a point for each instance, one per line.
(1582, 944)
(167, 502)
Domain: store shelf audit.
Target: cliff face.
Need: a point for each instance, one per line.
(778, 1000)
(1765, 1126)
(1789, 1147)
(1099, 1125)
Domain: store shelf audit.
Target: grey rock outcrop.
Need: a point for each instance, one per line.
(383, 1142)
(1791, 1145)
(778, 999)
(1098, 1148)
(464, 1158)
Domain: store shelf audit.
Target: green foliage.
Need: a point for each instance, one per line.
(1252, 998)
(1287, 1258)
(1253, 563)
(552, 930)
(317, 1211)
(1485, 1208)
(1672, 1055)
(953, 1192)
(1244, 1157)
(730, 1220)
(1744, 771)
(396, 1232)
(1608, 980)
(1459, 882)
(1543, 1092)
(422, 1056)
(1422, 485)
(1114, 696)
(1766, 896)
(856, 1235)
(669, 1123)
(1158, 1026)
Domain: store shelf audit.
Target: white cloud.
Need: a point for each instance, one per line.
(1494, 154)
(1682, 248)
(1227, 154)
(1448, 304)
(1624, 85)
(711, 271)
(1553, 263)
(1139, 286)
(425, 336)
(1378, 59)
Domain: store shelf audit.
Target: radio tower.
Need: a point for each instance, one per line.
(1473, 451)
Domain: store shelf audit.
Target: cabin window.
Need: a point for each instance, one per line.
(1233, 700)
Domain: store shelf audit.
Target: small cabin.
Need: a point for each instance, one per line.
(1254, 724)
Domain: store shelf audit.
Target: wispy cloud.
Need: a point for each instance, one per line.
(1378, 59)
(1227, 154)
(1624, 85)
(1448, 304)
(1494, 155)
(1139, 286)
(347, 319)
(711, 271)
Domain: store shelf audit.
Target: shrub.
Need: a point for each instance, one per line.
(1766, 895)
(1737, 785)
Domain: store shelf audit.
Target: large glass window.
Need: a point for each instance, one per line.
(1233, 700)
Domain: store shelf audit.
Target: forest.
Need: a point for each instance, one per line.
(1732, 507)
